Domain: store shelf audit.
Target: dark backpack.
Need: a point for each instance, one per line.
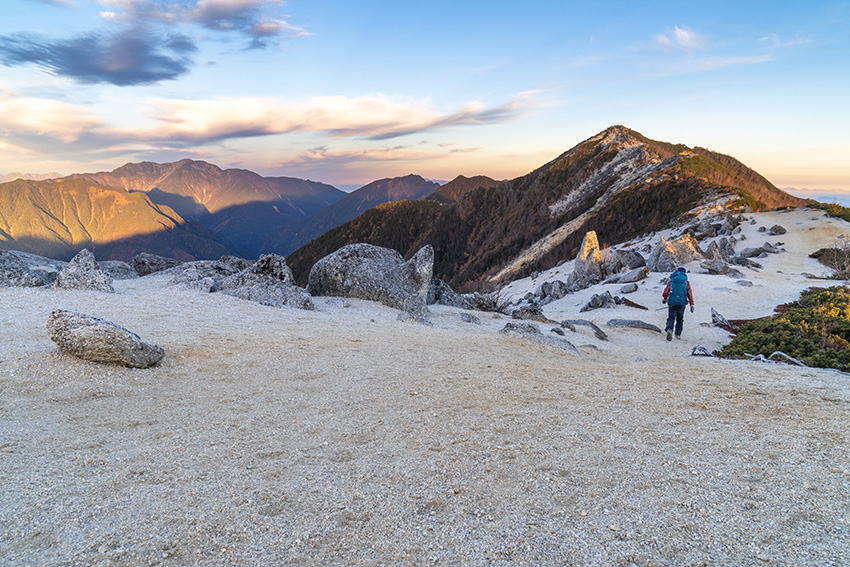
(678, 289)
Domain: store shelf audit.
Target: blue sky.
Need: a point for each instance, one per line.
(347, 92)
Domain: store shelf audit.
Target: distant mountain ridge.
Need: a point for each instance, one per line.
(4, 177)
(619, 183)
(299, 232)
(57, 218)
(241, 205)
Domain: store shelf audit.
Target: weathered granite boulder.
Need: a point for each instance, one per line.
(716, 267)
(83, 272)
(269, 269)
(370, 272)
(521, 328)
(714, 253)
(635, 275)
(552, 291)
(668, 255)
(145, 263)
(97, 340)
(528, 312)
(776, 230)
(274, 294)
(19, 269)
(631, 259)
(118, 270)
(588, 264)
(629, 288)
(633, 324)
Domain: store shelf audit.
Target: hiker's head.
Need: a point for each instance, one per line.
(681, 269)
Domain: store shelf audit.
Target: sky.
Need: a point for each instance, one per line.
(347, 92)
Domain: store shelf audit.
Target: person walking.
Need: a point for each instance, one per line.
(677, 295)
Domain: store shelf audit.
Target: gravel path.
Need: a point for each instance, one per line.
(344, 437)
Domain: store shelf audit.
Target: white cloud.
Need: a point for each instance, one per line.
(680, 39)
(24, 117)
(376, 116)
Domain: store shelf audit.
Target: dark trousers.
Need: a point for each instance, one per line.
(675, 316)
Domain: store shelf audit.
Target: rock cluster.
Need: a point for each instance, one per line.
(97, 340)
(19, 269)
(144, 263)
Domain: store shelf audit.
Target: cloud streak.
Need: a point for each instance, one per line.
(373, 117)
(680, 39)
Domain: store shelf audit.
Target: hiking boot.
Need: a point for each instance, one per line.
(678, 337)
(669, 335)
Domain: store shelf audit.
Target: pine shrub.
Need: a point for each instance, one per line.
(814, 329)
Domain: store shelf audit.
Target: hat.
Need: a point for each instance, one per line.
(681, 269)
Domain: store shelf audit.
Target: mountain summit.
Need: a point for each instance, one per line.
(618, 183)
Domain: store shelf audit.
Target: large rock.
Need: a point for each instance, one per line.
(631, 259)
(118, 270)
(19, 269)
(668, 255)
(588, 264)
(633, 324)
(97, 340)
(599, 301)
(364, 271)
(552, 291)
(83, 272)
(776, 230)
(441, 293)
(634, 276)
(269, 269)
(145, 263)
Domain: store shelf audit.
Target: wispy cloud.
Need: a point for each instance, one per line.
(680, 39)
(259, 20)
(23, 117)
(375, 117)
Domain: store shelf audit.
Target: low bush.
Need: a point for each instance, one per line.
(814, 329)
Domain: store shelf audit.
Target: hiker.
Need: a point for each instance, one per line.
(676, 295)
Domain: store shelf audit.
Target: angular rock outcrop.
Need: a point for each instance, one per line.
(83, 272)
(97, 340)
(441, 293)
(364, 271)
(588, 264)
(599, 301)
(635, 275)
(145, 263)
(668, 255)
(202, 275)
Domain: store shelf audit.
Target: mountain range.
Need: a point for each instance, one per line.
(484, 231)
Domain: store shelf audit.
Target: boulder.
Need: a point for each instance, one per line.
(635, 275)
(145, 263)
(713, 252)
(83, 272)
(274, 294)
(552, 291)
(19, 269)
(269, 269)
(441, 293)
(588, 264)
(373, 273)
(776, 230)
(668, 255)
(716, 267)
(118, 270)
(629, 288)
(631, 259)
(530, 312)
(521, 328)
(97, 340)
(633, 324)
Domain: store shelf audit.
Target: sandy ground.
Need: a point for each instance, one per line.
(344, 437)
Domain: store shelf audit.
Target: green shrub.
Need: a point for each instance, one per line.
(814, 329)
